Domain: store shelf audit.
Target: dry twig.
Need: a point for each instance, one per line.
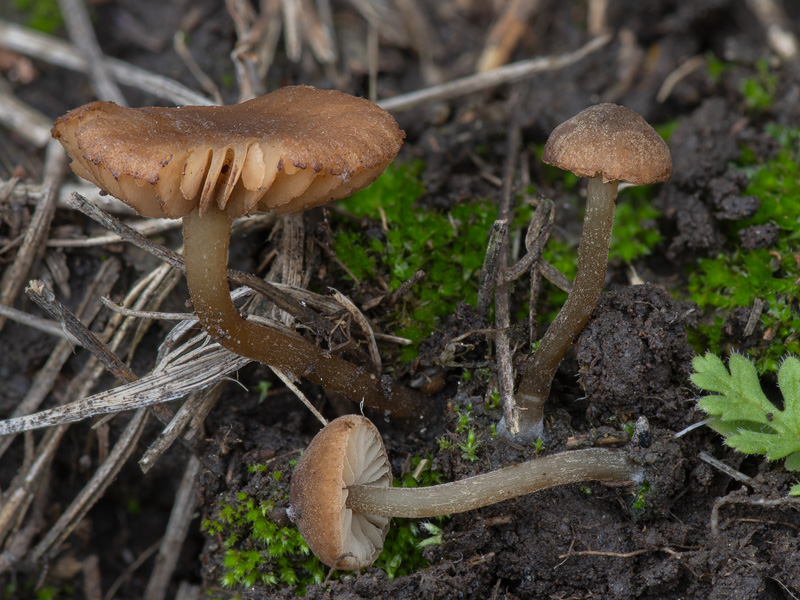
(502, 319)
(788, 501)
(46, 377)
(506, 33)
(95, 488)
(777, 27)
(195, 408)
(14, 277)
(81, 32)
(22, 119)
(46, 300)
(365, 326)
(483, 81)
(55, 51)
(177, 529)
(178, 374)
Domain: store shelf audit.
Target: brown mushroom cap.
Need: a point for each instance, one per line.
(610, 140)
(348, 451)
(288, 151)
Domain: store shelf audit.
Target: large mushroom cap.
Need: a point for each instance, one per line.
(612, 141)
(288, 151)
(348, 451)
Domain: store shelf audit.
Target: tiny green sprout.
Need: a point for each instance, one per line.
(263, 388)
(470, 446)
(749, 422)
(493, 429)
(492, 401)
(277, 475)
(435, 532)
(466, 375)
(585, 490)
(445, 443)
(464, 417)
(759, 91)
(628, 428)
(716, 67)
(538, 445)
(640, 500)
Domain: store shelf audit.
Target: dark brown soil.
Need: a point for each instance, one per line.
(632, 360)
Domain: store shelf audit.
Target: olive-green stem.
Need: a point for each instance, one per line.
(206, 239)
(538, 373)
(591, 464)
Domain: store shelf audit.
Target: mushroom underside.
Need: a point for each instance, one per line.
(238, 178)
(365, 463)
(349, 451)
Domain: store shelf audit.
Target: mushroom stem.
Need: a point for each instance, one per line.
(206, 239)
(539, 371)
(600, 464)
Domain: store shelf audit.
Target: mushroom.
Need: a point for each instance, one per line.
(607, 143)
(342, 500)
(288, 151)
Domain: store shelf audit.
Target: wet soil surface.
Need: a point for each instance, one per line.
(699, 534)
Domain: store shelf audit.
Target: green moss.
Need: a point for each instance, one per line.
(736, 279)
(759, 91)
(448, 246)
(640, 500)
(259, 551)
(635, 232)
(41, 15)
(716, 68)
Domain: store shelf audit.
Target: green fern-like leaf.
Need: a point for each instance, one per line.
(748, 420)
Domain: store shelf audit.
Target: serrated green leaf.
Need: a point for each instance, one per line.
(728, 428)
(789, 383)
(793, 462)
(749, 442)
(749, 422)
(721, 406)
(710, 373)
(741, 399)
(770, 445)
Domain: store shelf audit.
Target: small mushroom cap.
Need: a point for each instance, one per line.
(288, 151)
(612, 141)
(349, 450)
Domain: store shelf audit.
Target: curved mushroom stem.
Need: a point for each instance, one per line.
(206, 240)
(539, 371)
(600, 464)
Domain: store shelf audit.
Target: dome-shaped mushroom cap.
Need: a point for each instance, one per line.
(348, 451)
(611, 140)
(288, 151)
